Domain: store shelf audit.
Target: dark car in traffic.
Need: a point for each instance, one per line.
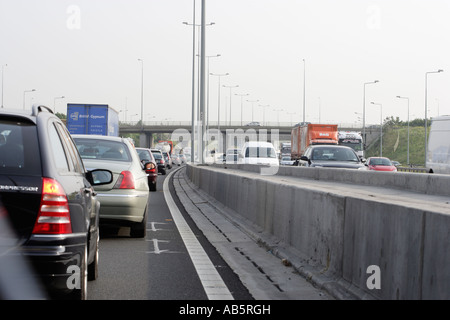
(331, 156)
(49, 199)
(151, 169)
(160, 161)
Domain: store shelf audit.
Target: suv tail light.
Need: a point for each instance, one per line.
(125, 181)
(54, 214)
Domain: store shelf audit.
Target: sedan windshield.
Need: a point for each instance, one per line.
(334, 154)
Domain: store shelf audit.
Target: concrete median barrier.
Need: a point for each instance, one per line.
(358, 234)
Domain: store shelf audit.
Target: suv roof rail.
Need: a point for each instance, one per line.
(39, 108)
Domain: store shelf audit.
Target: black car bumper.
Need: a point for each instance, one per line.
(56, 261)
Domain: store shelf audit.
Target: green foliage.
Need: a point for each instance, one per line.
(398, 151)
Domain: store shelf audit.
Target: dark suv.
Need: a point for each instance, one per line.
(48, 197)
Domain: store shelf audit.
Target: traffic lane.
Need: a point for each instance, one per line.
(157, 267)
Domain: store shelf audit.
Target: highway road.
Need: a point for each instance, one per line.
(179, 261)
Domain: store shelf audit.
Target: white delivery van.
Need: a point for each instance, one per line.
(438, 155)
(259, 152)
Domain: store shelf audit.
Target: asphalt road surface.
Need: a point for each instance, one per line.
(178, 261)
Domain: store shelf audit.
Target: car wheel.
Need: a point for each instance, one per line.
(93, 267)
(139, 230)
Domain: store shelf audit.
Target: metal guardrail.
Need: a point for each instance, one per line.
(412, 169)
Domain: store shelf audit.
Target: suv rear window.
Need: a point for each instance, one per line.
(19, 148)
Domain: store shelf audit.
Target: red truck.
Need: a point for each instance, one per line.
(308, 134)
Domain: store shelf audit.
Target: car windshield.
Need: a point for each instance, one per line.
(144, 155)
(260, 152)
(102, 149)
(334, 154)
(380, 162)
(157, 155)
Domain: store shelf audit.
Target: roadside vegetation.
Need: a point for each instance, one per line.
(395, 141)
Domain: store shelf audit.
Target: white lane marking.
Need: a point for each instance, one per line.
(211, 280)
(156, 246)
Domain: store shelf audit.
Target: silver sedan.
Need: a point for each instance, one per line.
(124, 201)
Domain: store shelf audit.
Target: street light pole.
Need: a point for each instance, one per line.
(364, 113)
(54, 103)
(142, 94)
(304, 90)
(218, 99)
(230, 87)
(407, 152)
(426, 109)
(253, 104)
(242, 95)
(264, 112)
(381, 127)
(24, 96)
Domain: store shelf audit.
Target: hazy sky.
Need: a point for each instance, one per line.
(88, 51)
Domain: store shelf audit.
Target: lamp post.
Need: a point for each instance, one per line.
(253, 104)
(364, 112)
(264, 112)
(381, 127)
(278, 115)
(24, 96)
(201, 67)
(426, 108)
(407, 152)
(218, 100)
(230, 87)
(142, 94)
(207, 90)
(54, 103)
(242, 95)
(304, 90)
(3, 72)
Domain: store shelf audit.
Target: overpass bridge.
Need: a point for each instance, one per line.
(148, 128)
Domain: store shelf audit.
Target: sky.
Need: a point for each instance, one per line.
(88, 51)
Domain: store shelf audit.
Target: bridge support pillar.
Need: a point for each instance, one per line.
(145, 140)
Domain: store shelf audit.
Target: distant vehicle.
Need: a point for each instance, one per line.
(151, 168)
(123, 202)
(176, 159)
(353, 140)
(286, 161)
(258, 152)
(160, 161)
(308, 134)
(168, 159)
(285, 149)
(183, 158)
(48, 196)
(380, 164)
(331, 156)
(253, 124)
(396, 163)
(98, 119)
(232, 155)
(438, 153)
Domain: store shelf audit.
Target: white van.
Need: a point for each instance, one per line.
(259, 152)
(438, 155)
